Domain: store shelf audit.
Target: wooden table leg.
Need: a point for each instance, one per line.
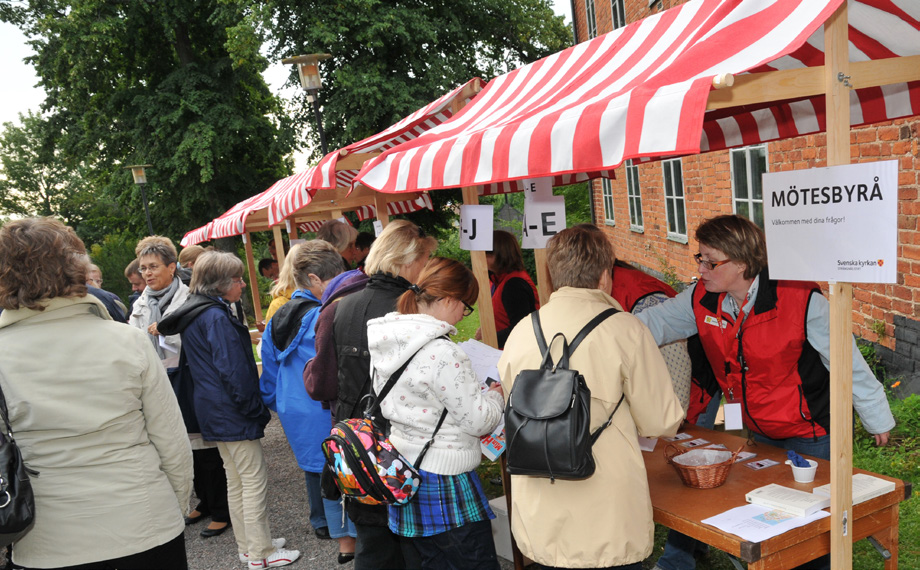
(892, 539)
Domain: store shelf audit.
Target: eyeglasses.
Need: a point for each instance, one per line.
(468, 310)
(152, 268)
(238, 280)
(97, 282)
(711, 265)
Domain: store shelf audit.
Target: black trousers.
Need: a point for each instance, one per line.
(211, 484)
(169, 556)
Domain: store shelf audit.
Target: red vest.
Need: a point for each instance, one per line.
(631, 285)
(498, 284)
(783, 386)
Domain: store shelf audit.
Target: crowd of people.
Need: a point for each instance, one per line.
(122, 421)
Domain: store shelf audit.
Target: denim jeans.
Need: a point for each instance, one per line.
(315, 498)
(339, 523)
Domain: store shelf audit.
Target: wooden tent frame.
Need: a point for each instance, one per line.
(834, 79)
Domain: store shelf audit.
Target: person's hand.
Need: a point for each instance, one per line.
(881, 439)
(152, 329)
(260, 326)
(497, 387)
(478, 335)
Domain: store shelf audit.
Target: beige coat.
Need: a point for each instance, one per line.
(93, 411)
(605, 520)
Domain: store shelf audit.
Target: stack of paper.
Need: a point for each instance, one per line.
(865, 487)
(792, 501)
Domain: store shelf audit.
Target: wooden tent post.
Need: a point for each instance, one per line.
(481, 271)
(544, 287)
(291, 229)
(836, 67)
(383, 213)
(253, 280)
(279, 244)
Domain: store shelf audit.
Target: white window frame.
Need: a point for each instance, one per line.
(675, 201)
(617, 13)
(607, 200)
(634, 198)
(749, 180)
(591, 18)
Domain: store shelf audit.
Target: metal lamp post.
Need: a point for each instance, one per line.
(308, 69)
(140, 178)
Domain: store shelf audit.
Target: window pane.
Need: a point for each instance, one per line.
(758, 214)
(668, 188)
(741, 208)
(758, 167)
(739, 174)
(640, 221)
(678, 179)
(619, 17)
(681, 222)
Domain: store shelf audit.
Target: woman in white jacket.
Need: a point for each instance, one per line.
(448, 520)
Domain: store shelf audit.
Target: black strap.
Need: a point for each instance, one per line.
(421, 455)
(592, 324)
(597, 432)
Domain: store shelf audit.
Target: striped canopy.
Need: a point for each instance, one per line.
(642, 91)
(324, 176)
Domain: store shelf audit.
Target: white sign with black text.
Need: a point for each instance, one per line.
(544, 214)
(476, 227)
(838, 223)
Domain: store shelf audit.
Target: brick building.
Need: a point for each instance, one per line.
(651, 210)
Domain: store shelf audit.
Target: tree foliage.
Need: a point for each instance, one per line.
(38, 180)
(391, 57)
(153, 82)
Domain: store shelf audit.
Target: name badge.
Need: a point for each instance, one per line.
(710, 320)
(732, 411)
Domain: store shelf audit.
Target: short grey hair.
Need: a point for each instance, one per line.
(214, 273)
(159, 246)
(339, 234)
(317, 257)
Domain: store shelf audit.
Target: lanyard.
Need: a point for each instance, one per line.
(727, 341)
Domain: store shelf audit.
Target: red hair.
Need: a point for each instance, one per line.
(441, 278)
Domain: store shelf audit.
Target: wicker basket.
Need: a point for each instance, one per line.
(700, 477)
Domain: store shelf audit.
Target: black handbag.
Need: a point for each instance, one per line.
(17, 504)
(548, 415)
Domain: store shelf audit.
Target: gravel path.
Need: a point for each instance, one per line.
(287, 501)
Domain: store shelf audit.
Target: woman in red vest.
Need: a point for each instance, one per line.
(514, 296)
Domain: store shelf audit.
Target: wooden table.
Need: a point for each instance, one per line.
(682, 508)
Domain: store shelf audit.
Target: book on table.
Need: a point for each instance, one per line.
(865, 487)
(792, 501)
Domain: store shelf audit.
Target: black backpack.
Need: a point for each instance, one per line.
(548, 416)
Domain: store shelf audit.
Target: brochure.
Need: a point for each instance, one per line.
(865, 487)
(792, 501)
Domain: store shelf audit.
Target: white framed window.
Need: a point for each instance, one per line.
(590, 18)
(634, 196)
(674, 206)
(748, 167)
(618, 13)
(607, 193)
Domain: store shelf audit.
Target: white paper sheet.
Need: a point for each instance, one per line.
(756, 523)
(647, 443)
(484, 359)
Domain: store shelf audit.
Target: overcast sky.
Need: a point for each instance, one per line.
(17, 79)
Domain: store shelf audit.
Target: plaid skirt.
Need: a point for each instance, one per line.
(443, 502)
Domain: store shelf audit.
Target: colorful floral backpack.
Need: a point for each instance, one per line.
(366, 466)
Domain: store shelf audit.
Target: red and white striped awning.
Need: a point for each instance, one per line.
(641, 92)
(324, 176)
(197, 235)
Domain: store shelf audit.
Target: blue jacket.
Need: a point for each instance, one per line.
(223, 370)
(304, 420)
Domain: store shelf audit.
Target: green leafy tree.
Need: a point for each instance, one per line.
(36, 179)
(154, 82)
(391, 57)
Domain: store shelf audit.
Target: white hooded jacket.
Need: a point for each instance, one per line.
(439, 376)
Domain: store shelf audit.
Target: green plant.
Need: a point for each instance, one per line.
(878, 327)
